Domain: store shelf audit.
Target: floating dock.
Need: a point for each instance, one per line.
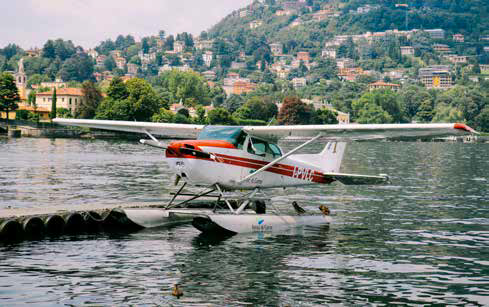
(18, 224)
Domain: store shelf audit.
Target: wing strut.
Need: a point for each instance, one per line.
(264, 168)
(154, 142)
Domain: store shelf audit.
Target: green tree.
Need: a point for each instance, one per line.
(78, 68)
(91, 101)
(482, 120)
(386, 99)
(117, 89)
(261, 108)
(9, 95)
(220, 116)
(109, 63)
(445, 113)
(295, 112)
(327, 116)
(425, 113)
(163, 116)
(188, 87)
(201, 118)
(135, 100)
(372, 113)
(63, 113)
(233, 103)
(31, 99)
(53, 105)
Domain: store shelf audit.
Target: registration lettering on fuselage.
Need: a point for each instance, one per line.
(303, 173)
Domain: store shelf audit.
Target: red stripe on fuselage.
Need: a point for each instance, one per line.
(281, 169)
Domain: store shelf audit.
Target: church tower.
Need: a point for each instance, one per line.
(21, 80)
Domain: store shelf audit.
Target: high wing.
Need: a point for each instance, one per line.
(359, 131)
(336, 132)
(166, 129)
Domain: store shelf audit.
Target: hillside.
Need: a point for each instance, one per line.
(375, 61)
(470, 18)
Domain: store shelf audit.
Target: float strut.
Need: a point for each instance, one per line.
(176, 194)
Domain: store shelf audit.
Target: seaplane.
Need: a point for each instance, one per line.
(235, 164)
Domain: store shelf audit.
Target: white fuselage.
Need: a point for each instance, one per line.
(228, 166)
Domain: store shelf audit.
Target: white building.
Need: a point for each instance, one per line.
(299, 82)
(207, 57)
(407, 51)
(329, 53)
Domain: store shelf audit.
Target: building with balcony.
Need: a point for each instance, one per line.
(436, 76)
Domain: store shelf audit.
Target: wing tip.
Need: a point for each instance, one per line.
(464, 127)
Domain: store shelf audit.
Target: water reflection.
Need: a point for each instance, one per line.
(421, 239)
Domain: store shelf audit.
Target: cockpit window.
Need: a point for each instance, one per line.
(231, 134)
(275, 149)
(261, 148)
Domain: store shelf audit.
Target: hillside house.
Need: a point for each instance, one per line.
(345, 63)
(299, 82)
(407, 51)
(276, 48)
(458, 38)
(329, 53)
(380, 85)
(461, 59)
(207, 57)
(255, 24)
(436, 76)
(69, 98)
(178, 46)
(442, 48)
(303, 56)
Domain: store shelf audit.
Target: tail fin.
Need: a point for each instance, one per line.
(331, 156)
(328, 160)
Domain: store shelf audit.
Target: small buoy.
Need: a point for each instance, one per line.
(11, 230)
(74, 222)
(33, 227)
(54, 225)
(177, 291)
(325, 210)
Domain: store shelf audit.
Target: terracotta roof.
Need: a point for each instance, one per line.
(64, 91)
(380, 83)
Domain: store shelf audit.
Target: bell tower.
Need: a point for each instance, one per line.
(21, 80)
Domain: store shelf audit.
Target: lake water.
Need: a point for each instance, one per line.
(422, 239)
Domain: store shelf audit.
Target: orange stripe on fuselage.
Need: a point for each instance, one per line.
(173, 150)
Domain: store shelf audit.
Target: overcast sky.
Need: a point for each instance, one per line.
(31, 23)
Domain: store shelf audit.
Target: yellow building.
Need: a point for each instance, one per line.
(68, 98)
(437, 76)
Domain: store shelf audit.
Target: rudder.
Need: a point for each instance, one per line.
(332, 156)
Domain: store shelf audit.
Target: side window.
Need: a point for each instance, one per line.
(262, 148)
(275, 150)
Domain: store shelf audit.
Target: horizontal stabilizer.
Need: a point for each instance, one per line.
(353, 179)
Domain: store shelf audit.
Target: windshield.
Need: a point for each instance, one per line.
(231, 134)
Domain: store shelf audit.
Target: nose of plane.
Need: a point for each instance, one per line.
(173, 150)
